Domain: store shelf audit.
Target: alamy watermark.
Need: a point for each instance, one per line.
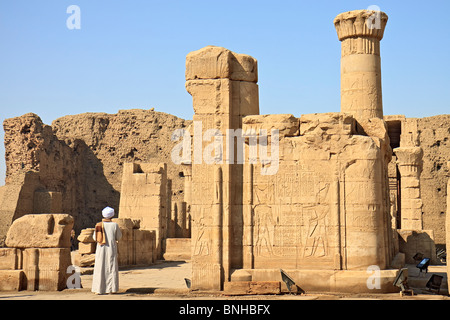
(74, 280)
(74, 20)
(228, 148)
(374, 21)
(374, 280)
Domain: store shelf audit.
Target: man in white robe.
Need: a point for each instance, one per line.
(106, 268)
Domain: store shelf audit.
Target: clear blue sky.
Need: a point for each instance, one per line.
(131, 54)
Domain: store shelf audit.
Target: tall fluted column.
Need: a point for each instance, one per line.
(360, 32)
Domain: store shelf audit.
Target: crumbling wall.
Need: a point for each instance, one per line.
(326, 206)
(434, 136)
(77, 161)
(128, 136)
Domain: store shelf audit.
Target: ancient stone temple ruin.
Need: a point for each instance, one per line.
(322, 214)
(327, 198)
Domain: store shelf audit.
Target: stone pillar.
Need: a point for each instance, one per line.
(187, 172)
(360, 32)
(181, 222)
(224, 90)
(144, 197)
(409, 161)
(217, 232)
(173, 221)
(248, 217)
(336, 222)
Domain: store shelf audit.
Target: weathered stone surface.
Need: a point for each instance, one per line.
(10, 259)
(16, 199)
(327, 123)
(125, 223)
(47, 202)
(360, 62)
(81, 157)
(417, 241)
(87, 235)
(87, 260)
(137, 247)
(236, 288)
(219, 63)
(146, 197)
(12, 280)
(329, 211)
(46, 268)
(355, 24)
(286, 124)
(241, 275)
(178, 249)
(409, 163)
(87, 248)
(434, 137)
(398, 261)
(40, 231)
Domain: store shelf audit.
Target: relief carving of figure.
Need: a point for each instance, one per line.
(201, 246)
(263, 222)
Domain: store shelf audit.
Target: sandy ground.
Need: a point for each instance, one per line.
(165, 281)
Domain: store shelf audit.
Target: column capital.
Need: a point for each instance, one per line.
(409, 161)
(361, 23)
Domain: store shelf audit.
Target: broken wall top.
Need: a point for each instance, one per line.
(219, 63)
(40, 231)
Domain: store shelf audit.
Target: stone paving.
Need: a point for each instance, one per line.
(165, 281)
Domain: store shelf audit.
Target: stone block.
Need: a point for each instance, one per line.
(178, 249)
(46, 268)
(327, 123)
(214, 62)
(87, 235)
(241, 275)
(124, 223)
(40, 231)
(286, 124)
(87, 260)
(86, 248)
(144, 246)
(246, 95)
(252, 287)
(210, 96)
(12, 280)
(144, 258)
(10, 259)
(126, 252)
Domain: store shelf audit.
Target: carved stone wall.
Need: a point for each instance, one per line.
(309, 193)
(223, 87)
(76, 164)
(146, 196)
(325, 207)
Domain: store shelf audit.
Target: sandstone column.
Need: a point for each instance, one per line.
(180, 231)
(248, 217)
(360, 32)
(409, 161)
(224, 89)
